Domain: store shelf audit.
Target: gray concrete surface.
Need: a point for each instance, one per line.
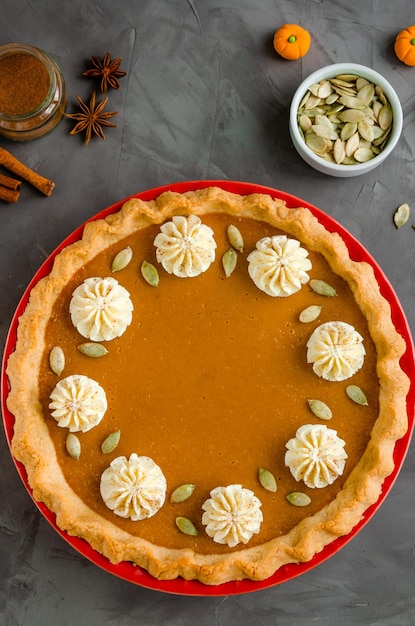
(205, 97)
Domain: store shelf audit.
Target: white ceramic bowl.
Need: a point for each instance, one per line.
(318, 162)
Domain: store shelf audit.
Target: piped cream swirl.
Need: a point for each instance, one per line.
(336, 351)
(133, 488)
(232, 515)
(101, 309)
(316, 455)
(78, 403)
(185, 247)
(279, 265)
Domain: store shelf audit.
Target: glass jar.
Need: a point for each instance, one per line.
(32, 92)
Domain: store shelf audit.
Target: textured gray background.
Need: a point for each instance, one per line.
(205, 97)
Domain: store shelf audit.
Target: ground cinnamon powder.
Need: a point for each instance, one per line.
(24, 83)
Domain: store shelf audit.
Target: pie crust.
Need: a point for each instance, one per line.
(33, 446)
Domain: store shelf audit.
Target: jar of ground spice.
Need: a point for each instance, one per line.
(32, 92)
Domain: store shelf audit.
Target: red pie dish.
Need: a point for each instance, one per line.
(258, 212)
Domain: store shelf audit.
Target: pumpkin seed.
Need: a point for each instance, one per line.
(122, 259)
(381, 141)
(304, 100)
(351, 115)
(364, 144)
(385, 116)
(234, 234)
(366, 130)
(111, 442)
(341, 90)
(349, 161)
(322, 130)
(356, 394)
(352, 145)
(298, 498)
(57, 360)
(313, 112)
(343, 80)
(310, 313)
(186, 526)
(327, 157)
(267, 479)
(381, 94)
(376, 108)
(94, 350)
(304, 122)
(362, 82)
(316, 143)
(348, 78)
(348, 130)
(332, 98)
(331, 114)
(323, 120)
(150, 273)
(363, 154)
(322, 288)
(377, 133)
(352, 102)
(401, 215)
(366, 93)
(339, 150)
(314, 89)
(312, 101)
(182, 493)
(229, 260)
(73, 446)
(320, 409)
(324, 89)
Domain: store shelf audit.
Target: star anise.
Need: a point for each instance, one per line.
(91, 118)
(108, 70)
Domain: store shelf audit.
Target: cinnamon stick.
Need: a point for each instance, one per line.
(9, 195)
(10, 183)
(12, 164)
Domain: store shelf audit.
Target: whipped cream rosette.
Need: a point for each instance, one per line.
(101, 309)
(78, 403)
(279, 265)
(336, 351)
(134, 487)
(185, 247)
(232, 515)
(316, 455)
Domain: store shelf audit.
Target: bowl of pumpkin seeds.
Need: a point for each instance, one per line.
(345, 119)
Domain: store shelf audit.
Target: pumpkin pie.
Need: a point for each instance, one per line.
(208, 386)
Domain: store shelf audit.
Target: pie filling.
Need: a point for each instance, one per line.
(217, 381)
(209, 379)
